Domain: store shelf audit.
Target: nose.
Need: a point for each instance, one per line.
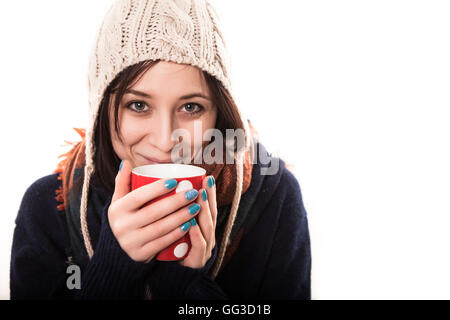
(161, 132)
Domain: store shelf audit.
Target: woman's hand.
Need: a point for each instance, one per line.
(203, 233)
(143, 232)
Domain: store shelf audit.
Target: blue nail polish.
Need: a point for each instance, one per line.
(121, 164)
(194, 208)
(191, 194)
(211, 182)
(185, 226)
(169, 184)
(204, 195)
(193, 222)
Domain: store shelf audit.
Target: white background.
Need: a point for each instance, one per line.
(355, 94)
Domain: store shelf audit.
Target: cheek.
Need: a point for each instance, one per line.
(198, 127)
(209, 123)
(132, 132)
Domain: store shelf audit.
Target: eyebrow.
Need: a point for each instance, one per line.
(187, 96)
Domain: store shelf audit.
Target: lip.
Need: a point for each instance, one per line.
(155, 161)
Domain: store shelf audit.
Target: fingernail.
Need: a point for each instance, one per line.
(185, 226)
(169, 184)
(121, 164)
(204, 195)
(193, 222)
(211, 182)
(191, 194)
(194, 208)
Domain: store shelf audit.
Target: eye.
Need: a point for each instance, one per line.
(137, 106)
(192, 108)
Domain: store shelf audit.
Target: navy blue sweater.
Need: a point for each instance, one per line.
(272, 261)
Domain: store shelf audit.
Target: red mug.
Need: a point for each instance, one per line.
(188, 177)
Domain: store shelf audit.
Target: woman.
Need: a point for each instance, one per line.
(158, 67)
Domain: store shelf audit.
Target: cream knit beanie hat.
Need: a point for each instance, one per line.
(180, 31)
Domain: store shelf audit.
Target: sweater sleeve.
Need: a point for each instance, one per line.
(111, 273)
(38, 266)
(288, 270)
(170, 280)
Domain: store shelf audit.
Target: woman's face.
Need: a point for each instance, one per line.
(157, 105)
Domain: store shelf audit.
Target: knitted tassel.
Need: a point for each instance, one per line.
(65, 169)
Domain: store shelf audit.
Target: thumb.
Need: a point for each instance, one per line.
(123, 180)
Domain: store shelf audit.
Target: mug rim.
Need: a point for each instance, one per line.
(168, 171)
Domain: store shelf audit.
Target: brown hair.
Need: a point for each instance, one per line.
(106, 162)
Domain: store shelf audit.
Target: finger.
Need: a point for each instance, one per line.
(172, 221)
(140, 196)
(205, 220)
(122, 181)
(153, 247)
(209, 184)
(159, 209)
